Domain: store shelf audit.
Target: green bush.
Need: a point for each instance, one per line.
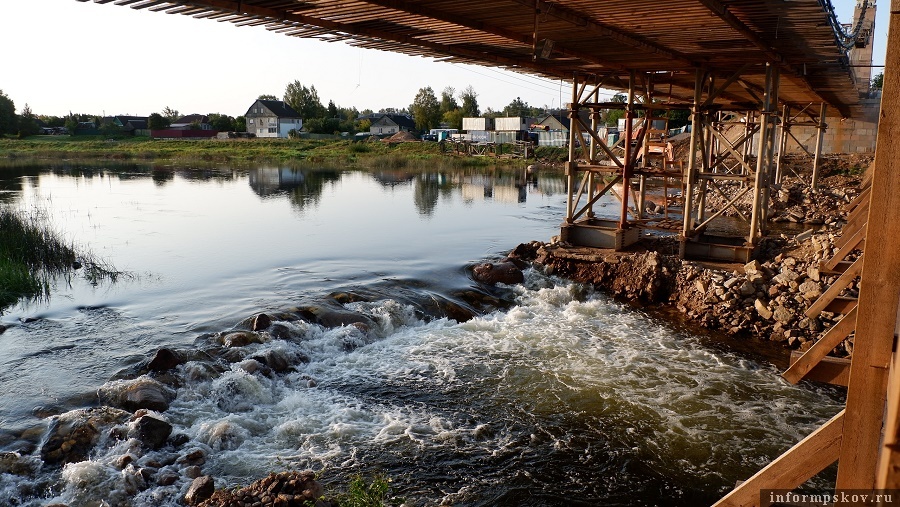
(361, 493)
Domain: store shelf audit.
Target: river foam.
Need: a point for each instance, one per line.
(567, 394)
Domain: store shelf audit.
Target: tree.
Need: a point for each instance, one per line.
(517, 107)
(240, 124)
(222, 122)
(613, 115)
(170, 114)
(469, 102)
(453, 119)
(304, 100)
(878, 81)
(393, 110)
(267, 97)
(426, 109)
(27, 124)
(332, 110)
(8, 121)
(155, 121)
(109, 129)
(71, 123)
(448, 101)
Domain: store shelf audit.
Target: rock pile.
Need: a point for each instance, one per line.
(285, 489)
(764, 299)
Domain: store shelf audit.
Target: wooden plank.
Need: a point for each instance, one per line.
(850, 232)
(857, 242)
(859, 199)
(819, 351)
(889, 457)
(807, 458)
(879, 294)
(842, 305)
(830, 370)
(838, 269)
(832, 292)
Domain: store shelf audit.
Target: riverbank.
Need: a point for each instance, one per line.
(363, 154)
(764, 299)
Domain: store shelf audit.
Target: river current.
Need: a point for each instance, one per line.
(553, 394)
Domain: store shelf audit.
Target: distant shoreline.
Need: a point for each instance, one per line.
(241, 151)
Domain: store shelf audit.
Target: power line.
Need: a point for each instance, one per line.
(509, 82)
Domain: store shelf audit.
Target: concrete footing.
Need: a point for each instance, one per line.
(599, 233)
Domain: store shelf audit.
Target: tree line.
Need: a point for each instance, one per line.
(427, 110)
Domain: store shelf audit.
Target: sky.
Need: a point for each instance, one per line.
(64, 55)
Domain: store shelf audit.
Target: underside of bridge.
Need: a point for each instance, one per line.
(752, 68)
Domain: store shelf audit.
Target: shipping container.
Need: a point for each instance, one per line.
(470, 124)
(513, 123)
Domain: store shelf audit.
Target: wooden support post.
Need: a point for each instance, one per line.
(690, 176)
(879, 297)
(770, 151)
(793, 468)
(571, 165)
(629, 163)
(820, 137)
(758, 213)
(595, 115)
(783, 134)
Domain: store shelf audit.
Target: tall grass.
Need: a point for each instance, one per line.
(32, 255)
(362, 493)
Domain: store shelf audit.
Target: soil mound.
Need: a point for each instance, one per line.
(400, 137)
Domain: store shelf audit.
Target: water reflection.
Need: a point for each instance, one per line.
(302, 186)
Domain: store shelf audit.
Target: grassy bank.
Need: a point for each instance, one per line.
(237, 151)
(32, 254)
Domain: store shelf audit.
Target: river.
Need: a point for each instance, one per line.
(552, 394)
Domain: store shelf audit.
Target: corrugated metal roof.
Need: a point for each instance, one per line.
(667, 38)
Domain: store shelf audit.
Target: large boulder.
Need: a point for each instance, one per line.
(201, 489)
(72, 435)
(165, 360)
(491, 273)
(152, 432)
(140, 393)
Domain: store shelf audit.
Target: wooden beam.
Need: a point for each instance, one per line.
(889, 457)
(809, 457)
(414, 45)
(830, 370)
(879, 293)
(820, 349)
(832, 292)
(403, 6)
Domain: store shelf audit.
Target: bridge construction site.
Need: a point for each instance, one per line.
(751, 74)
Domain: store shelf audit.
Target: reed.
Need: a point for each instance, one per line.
(33, 255)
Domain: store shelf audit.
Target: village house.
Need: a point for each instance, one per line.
(390, 123)
(186, 122)
(272, 118)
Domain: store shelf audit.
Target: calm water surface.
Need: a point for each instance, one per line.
(551, 395)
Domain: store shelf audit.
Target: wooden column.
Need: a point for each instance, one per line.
(784, 133)
(629, 165)
(882, 269)
(690, 175)
(595, 123)
(762, 158)
(572, 165)
(820, 137)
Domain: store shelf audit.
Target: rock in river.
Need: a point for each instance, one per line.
(500, 272)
